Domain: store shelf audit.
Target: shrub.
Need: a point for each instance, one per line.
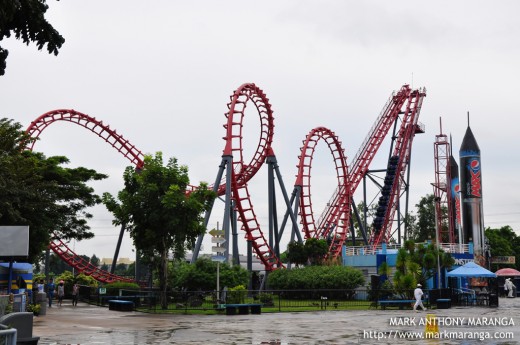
(266, 298)
(34, 308)
(202, 275)
(236, 294)
(113, 288)
(316, 277)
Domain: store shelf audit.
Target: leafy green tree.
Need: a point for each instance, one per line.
(313, 251)
(57, 266)
(316, 250)
(83, 279)
(121, 269)
(202, 275)
(40, 192)
(424, 229)
(504, 242)
(26, 20)
(94, 260)
(296, 253)
(416, 263)
(160, 216)
(130, 271)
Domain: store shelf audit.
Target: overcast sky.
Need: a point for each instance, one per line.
(161, 73)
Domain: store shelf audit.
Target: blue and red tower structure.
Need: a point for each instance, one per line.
(471, 194)
(455, 219)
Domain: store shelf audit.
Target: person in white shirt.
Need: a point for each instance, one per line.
(509, 287)
(418, 293)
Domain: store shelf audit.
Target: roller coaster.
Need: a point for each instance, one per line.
(401, 112)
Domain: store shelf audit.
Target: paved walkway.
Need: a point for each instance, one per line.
(86, 324)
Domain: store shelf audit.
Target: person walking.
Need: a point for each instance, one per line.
(509, 286)
(61, 292)
(75, 294)
(51, 287)
(418, 293)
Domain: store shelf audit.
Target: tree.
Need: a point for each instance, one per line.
(416, 263)
(160, 216)
(504, 242)
(40, 192)
(316, 250)
(313, 251)
(296, 253)
(203, 275)
(94, 260)
(424, 229)
(57, 266)
(121, 269)
(26, 19)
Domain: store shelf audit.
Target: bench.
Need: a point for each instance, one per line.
(395, 302)
(23, 322)
(243, 309)
(133, 298)
(120, 305)
(443, 303)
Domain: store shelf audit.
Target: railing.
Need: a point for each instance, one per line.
(369, 250)
(272, 300)
(149, 301)
(7, 335)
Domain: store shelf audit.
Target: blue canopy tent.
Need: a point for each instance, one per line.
(469, 296)
(471, 270)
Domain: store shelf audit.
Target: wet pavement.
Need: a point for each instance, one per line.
(86, 324)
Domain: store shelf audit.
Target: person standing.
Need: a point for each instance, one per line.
(75, 294)
(418, 293)
(51, 287)
(41, 286)
(509, 286)
(61, 292)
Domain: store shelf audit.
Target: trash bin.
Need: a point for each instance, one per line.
(19, 302)
(493, 300)
(41, 299)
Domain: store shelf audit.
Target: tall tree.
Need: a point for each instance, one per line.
(313, 251)
(26, 19)
(94, 260)
(504, 242)
(160, 216)
(424, 228)
(316, 250)
(42, 193)
(296, 253)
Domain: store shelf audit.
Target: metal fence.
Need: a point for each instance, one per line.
(271, 300)
(7, 335)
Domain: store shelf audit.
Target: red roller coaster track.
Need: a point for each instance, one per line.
(334, 221)
(337, 221)
(117, 141)
(241, 172)
(406, 103)
(114, 139)
(82, 265)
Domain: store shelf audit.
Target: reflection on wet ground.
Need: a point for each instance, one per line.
(93, 325)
